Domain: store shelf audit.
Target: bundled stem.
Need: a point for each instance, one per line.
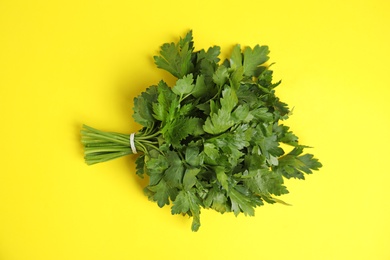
(100, 146)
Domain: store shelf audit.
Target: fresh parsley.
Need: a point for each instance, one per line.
(213, 139)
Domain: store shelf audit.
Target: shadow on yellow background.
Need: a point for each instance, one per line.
(69, 62)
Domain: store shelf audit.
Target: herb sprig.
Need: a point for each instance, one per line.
(213, 139)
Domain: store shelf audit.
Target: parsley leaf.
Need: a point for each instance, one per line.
(184, 85)
(219, 122)
(295, 164)
(143, 106)
(253, 58)
(176, 58)
(188, 203)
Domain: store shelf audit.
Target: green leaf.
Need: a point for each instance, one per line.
(216, 200)
(250, 95)
(186, 109)
(207, 69)
(190, 179)
(162, 106)
(211, 151)
(281, 110)
(176, 58)
(284, 135)
(140, 165)
(267, 142)
(156, 168)
(173, 175)
(193, 157)
(222, 177)
(188, 202)
(261, 114)
(200, 89)
(221, 75)
(143, 110)
(241, 203)
(170, 119)
(265, 79)
(219, 122)
(236, 78)
(242, 114)
(181, 203)
(213, 107)
(266, 181)
(196, 126)
(253, 58)
(211, 55)
(233, 139)
(310, 163)
(161, 193)
(184, 85)
(173, 110)
(295, 165)
(182, 127)
(236, 57)
(188, 39)
(229, 99)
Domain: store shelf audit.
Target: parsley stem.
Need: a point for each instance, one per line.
(90, 150)
(100, 146)
(146, 136)
(106, 138)
(104, 157)
(148, 142)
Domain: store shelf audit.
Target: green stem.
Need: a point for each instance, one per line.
(110, 148)
(104, 157)
(100, 146)
(106, 137)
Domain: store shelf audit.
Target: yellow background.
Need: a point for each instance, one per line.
(64, 63)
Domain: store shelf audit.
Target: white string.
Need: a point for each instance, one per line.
(132, 145)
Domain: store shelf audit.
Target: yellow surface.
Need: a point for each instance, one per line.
(64, 63)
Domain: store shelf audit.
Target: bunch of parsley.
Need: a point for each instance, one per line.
(213, 139)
